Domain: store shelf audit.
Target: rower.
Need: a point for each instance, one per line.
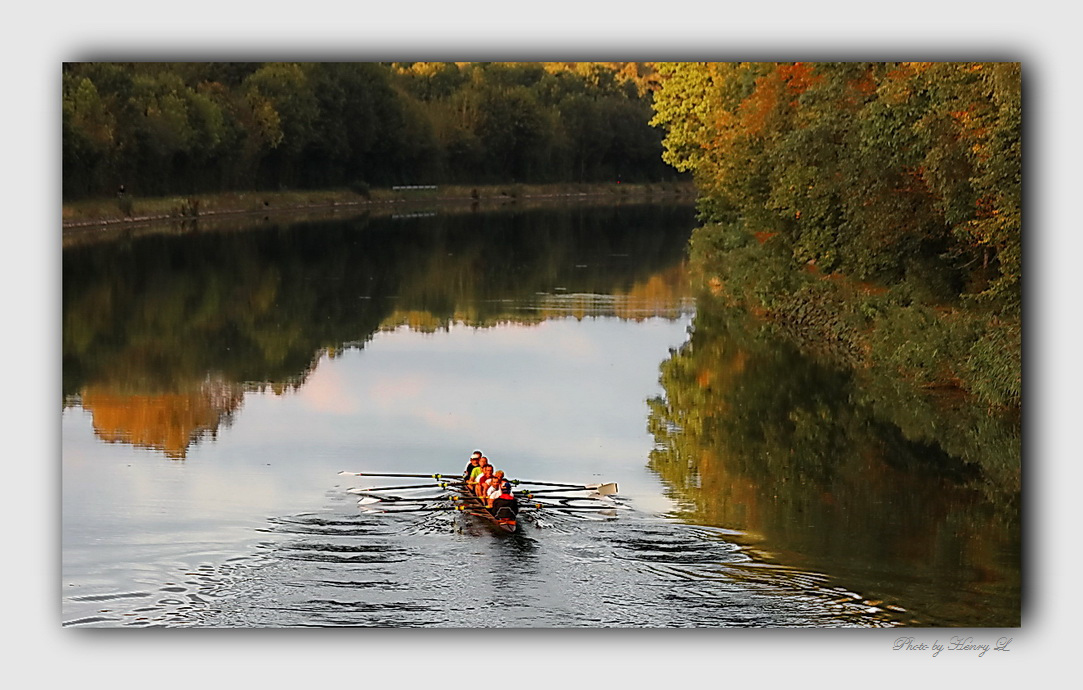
(474, 458)
(505, 506)
(476, 471)
(483, 479)
(493, 487)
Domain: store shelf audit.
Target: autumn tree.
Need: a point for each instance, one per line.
(880, 170)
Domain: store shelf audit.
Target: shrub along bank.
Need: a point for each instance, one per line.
(871, 210)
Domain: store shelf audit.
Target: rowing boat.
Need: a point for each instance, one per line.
(463, 499)
(475, 506)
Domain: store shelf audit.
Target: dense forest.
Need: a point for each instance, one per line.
(873, 209)
(184, 128)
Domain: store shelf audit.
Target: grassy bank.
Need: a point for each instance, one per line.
(134, 210)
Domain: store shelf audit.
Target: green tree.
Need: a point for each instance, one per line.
(88, 136)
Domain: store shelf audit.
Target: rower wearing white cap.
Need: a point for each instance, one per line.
(474, 458)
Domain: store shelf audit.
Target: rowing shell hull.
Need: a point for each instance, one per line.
(474, 506)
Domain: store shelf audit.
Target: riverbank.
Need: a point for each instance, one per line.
(132, 211)
(912, 330)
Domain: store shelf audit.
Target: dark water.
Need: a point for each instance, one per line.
(215, 383)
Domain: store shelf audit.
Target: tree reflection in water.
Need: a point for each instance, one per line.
(164, 333)
(908, 498)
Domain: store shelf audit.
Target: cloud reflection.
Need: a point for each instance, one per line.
(537, 398)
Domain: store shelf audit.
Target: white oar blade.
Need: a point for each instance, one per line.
(365, 492)
(601, 498)
(383, 489)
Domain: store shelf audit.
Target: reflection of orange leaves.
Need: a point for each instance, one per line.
(416, 320)
(659, 295)
(167, 422)
(739, 362)
(655, 290)
(704, 377)
(728, 368)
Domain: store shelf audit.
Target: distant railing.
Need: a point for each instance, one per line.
(413, 186)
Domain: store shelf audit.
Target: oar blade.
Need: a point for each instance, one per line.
(439, 477)
(610, 488)
(408, 487)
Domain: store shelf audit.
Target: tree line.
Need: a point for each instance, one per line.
(878, 170)
(181, 128)
(872, 211)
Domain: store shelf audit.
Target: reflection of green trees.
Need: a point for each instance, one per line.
(901, 496)
(161, 312)
(902, 329)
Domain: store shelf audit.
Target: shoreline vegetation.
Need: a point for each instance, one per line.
(871, 211)
(125, 212)
(158, 129)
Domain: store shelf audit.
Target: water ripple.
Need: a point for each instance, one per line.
(447, 570)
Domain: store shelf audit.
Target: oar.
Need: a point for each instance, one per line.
(611, 487)
(599, 489)
(534, 507)
(369, 500)
(524, 510)
(423, 509)
(440, 485)
(448, 477)
(577, 502)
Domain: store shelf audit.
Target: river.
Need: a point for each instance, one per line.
(217, 381)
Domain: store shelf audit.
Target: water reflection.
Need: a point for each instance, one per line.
(821, 472)
(164, 334)
(814, 499)
(166, 422)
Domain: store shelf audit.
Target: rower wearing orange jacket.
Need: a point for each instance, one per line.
(505, 506)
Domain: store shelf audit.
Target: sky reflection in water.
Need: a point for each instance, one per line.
(561, 400)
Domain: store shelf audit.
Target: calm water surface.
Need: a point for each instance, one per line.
(215, 384)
